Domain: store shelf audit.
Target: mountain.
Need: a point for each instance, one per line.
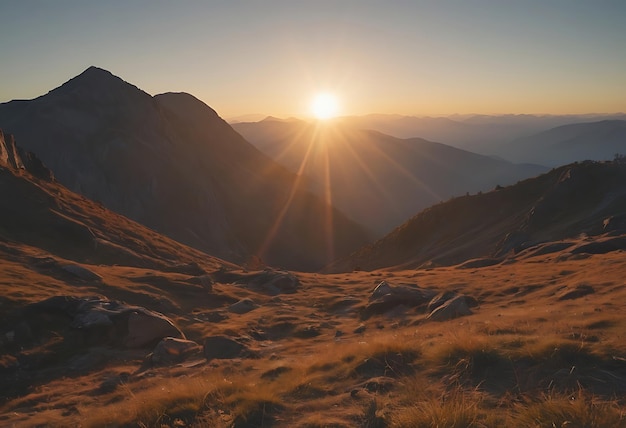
(38, 212)
(485, 134)
(103, 322)
(171, 163)
(374, 178)
(599, 140)
(586, 198)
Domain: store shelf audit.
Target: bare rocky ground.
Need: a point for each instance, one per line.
(535, 340)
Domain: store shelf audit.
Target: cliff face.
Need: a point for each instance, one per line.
(171, 163)
(17, 159)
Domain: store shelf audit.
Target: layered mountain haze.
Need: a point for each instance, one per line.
(600, 140)
(171, 163)
(374, 178)
(484, 134)
(575, 200)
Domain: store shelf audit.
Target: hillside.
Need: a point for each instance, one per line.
(378, 180)
(171, 163)
(586, 198)
(38, 212)
(103, 322)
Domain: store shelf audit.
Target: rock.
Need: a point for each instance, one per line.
(576, 292)
(439, 300)
(360, 329)
(206, 282)
(380, 290)
(222, 347)
(307, 332)
(145, 327)
(81, 272)
(243, 306)
(173, 350)
(385, 298)
(453, 308)
(283, 282)
(96, 321)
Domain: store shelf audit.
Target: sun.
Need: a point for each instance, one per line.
(325, 106)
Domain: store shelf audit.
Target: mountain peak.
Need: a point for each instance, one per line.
(96, 82)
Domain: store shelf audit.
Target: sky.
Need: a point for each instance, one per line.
(272, 57)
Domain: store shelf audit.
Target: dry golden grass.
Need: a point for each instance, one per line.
(524, 358)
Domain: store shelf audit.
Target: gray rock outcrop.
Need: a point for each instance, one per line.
(453, 308)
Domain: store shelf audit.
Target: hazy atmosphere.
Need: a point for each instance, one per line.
(405, 57)
(313, 214)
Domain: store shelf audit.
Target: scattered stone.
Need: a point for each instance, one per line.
(453, 308)
(269, 281)
(385, 298)
(97, 321)
(381, 289)
(338, 333)
(171, 350)
(307, 332)
(576, 292)
(243, 306)
(360, 329)
(439, 300)
(222, 347)
(81, 272)
(145, 328)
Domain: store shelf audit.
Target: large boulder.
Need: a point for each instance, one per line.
(385, 298)
(453, 308)
(171, 350)
(97, 321)
(243, 306)
(146, 327)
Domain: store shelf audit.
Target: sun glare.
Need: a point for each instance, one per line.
(324, 106)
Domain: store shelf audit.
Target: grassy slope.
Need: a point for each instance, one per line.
(525, 358)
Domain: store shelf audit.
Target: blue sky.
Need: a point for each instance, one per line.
(272, 57)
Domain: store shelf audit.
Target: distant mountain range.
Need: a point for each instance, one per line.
(374, 178)
(587, 198)
(171, 163)
(569, 143)
(484, 134)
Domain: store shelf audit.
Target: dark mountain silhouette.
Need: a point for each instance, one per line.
(374, 178)
(38, 212)
(171, 163)
(569, 143)
(585, 198)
